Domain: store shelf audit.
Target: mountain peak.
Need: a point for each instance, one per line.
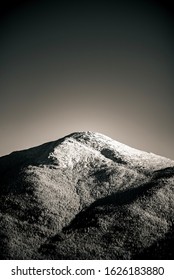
(76, 196)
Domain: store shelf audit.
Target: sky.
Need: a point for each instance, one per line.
(100, 66)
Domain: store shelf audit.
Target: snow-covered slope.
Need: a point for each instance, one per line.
(85, 196)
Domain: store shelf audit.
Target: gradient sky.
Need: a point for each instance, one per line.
(100, 66)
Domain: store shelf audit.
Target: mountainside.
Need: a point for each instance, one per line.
(86, 196)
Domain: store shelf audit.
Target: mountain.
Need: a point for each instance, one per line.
(86, 196)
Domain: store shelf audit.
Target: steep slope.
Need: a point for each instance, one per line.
(86, 196)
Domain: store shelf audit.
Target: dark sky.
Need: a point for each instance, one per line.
(100, 66)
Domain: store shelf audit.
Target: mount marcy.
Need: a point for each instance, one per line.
(86, 196)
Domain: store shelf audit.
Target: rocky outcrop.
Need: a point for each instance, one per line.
(86, 196)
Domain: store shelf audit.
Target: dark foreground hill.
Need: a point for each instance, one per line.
(86, 196)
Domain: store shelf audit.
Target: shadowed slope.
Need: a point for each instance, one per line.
(126, 224)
